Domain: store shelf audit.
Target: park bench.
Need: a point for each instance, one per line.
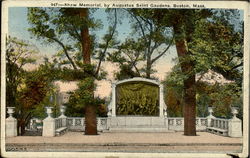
(218, 131)
(61, 131)
(219, 126)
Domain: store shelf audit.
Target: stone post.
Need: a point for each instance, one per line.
(109, 108)
(210, 116)
(234, 125)
(62, 116)
(10, 124)
(162, 103)
(113, 104)
(49, 124)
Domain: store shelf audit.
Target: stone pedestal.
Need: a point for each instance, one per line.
(49, 127)
(234, 125)
(10, 124)
(234, 128)
(11, 127)
(49, 124)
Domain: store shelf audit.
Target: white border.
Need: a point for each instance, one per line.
(208, 4)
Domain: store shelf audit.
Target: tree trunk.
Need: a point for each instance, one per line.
(90, 112)
(148, 67)
(90, 120)
(187, 67)
(86, 43)
(21, 126)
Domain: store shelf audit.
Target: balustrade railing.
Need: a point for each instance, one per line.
(177, 123)
(78, 123)
(58, 123)
(219, 123)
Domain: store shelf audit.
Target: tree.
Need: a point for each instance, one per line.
(147, 44)
(72, 26)
(187, 29)
(25, 88)
(35, 88)
(183, 22)
(18, 54)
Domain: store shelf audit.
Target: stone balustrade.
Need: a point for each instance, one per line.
(58, 123)
(177, 123)
(220, 123)
(54, 126)
(78, 123)
(226, 127)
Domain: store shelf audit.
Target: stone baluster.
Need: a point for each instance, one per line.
(234, 125)
(49, 124)
(199, 122)
(210, 116)
(11, 124)
(62, 116)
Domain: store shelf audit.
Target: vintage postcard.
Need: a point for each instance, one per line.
(119, 79)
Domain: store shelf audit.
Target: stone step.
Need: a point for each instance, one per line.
(139, 129)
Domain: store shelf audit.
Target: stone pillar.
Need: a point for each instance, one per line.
(62, 116)
(163, 107)
(234, 125)
(113, 110)
(109, 109)
(10, 124)
(210, 116)
(49, 124)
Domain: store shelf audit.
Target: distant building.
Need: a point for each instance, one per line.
(63, 97)
(64, 88)
(212, 77)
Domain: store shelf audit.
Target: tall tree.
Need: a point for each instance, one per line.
(146, 44)
(70, 29)
(203, 39)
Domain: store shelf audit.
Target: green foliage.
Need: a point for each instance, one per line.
(220, 96)
(137, 99)
(18, 54)
(173, 92)
(217, 44)
(64, 27)
(83, 97)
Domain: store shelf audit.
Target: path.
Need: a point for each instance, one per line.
(128, 142)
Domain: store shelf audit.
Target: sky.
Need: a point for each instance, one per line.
(18, 25)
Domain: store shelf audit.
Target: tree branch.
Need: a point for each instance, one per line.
(160, 55)
(65, 51)
(106, 45)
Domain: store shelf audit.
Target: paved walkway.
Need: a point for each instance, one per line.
(128, 142)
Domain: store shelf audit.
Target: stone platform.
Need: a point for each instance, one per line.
(127, 142)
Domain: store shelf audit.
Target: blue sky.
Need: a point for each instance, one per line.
(18, 26)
